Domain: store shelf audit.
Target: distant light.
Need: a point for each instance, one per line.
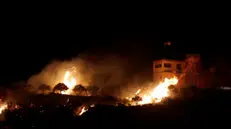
(226, 88)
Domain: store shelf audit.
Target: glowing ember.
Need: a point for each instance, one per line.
(81, 110)
(3, 107)
(137, 92)
(92, 105)
(158, 93)
(69, 81)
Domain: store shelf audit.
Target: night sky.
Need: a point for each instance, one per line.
(27, 47)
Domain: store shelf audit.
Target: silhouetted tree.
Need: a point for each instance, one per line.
(44, 88)
(60, 87)
(79, 89)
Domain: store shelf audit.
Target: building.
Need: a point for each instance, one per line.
(187, 71)
(166, 68)
(193, 74)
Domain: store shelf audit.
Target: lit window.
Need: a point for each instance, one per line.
(167, 65)
(158, 66)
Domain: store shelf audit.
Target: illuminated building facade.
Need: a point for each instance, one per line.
(166, 68)
(188, 71)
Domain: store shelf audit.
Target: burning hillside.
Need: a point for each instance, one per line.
(154, 94)
(141, 97)
(69, 82)
(71, 77)
(3, 106)
(105, 73)
(61, 72)
(74, 77)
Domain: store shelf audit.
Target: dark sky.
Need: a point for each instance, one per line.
(26, 47)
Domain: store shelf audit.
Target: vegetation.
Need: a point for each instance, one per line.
(80, 90)
(44, 88)
(60, 87)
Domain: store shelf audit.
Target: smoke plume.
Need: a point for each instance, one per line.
(113, 68)
(102, 72)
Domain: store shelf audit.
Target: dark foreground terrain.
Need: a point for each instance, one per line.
(210, 109)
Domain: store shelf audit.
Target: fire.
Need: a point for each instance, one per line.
(83, 110)
(69, 81)
(138, 91)
(3, 107)
(158, 93)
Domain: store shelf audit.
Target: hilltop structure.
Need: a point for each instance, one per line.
(188, 71)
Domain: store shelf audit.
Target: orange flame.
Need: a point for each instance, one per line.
(80, 110)
(3, 107)
(83, 110)
(138, 91)
(69, 81)
(158, 93)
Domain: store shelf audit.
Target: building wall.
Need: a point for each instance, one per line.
(190, 73)
(167, 69)
(193, 71)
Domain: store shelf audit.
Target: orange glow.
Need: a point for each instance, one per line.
(69, 81)
(83, 110)
(3, 107)
(138, 91)
(158, 93)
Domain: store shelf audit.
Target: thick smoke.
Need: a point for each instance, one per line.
(113, 69)
(103, 72)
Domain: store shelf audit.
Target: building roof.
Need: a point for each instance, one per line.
(168, 60)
